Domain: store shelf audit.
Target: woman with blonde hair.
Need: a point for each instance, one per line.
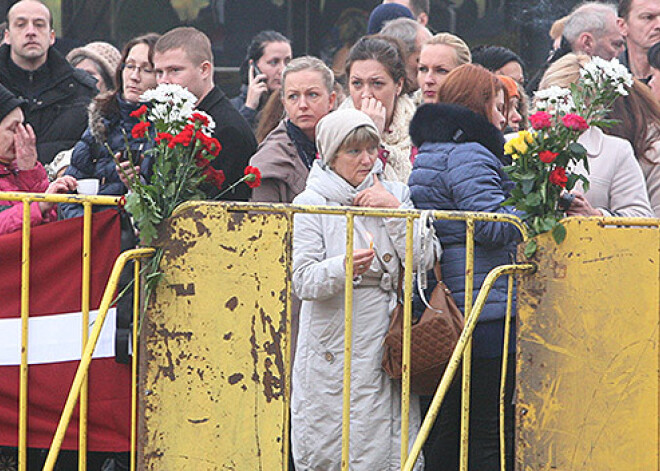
(616, 182)
(439, 55)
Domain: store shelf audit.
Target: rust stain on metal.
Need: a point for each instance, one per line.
(229, 248)
(202, 229)
(234, 221)
(235, 378)
(198, 421)
(232, 304)
(227, 336)
(181, 290)
(167, 369)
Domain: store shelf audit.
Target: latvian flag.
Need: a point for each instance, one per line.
(54, 347)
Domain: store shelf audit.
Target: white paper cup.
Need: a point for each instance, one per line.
(88, 186)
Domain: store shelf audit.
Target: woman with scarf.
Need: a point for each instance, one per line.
(349, 173)
(288, 152)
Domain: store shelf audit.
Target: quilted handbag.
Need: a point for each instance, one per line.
(433, 338)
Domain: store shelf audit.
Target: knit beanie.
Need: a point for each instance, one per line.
(510, 85)
(384, 13)
(105, 54)
(8, 102)
(333, 128)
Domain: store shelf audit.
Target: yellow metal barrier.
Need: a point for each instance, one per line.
(201, 227)
(27, 199)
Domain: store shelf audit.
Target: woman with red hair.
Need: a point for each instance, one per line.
(459, 168)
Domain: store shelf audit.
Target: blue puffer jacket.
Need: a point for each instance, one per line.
(91, 159)
(459, 168)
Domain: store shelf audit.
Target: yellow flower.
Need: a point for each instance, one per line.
(508, 148)
(519, 144)
(526, 136)
(515, 156)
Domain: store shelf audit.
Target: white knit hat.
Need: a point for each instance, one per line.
(333, 128)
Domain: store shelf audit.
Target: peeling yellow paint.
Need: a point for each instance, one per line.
(588, 366)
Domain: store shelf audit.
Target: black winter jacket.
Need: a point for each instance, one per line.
(57, 96)
(237, 141)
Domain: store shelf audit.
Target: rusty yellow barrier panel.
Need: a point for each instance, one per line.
(587, 373)
(213, 383)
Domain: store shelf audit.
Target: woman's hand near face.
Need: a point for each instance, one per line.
(376, 196)
(257, 86)
(362, 259)
(582, 207)
(376, 111)
(25, 145)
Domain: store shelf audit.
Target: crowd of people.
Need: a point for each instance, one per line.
(398, 118)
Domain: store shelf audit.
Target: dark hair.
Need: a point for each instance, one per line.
(637, 113)
(384, 49)
(624, 8)
(494, 58)
(472, 86)
(107, 101)
(270, 116)
(420, 6)
(653, 56)
(256, 49)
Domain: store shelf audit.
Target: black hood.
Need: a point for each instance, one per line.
(442, 122)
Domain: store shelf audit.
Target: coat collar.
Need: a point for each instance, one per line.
(592, 140)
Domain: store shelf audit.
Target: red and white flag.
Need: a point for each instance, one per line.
(54, 347)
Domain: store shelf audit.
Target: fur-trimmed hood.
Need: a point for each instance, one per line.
(103, 117)
(443, 122)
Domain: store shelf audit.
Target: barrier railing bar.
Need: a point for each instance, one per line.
(455, 360)
(25, 315)
(134, 359)
(86, 359)
(59, 198)
(85, 295)
(407, 328)
(348, 343)
(467, 357)
(288, 344)
(505, 359)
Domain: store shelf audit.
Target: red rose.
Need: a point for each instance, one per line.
(253, 177)
(540, 120)
(547, 157)
(558, 177)
(199, 118)
(216, 177)
(140, 129)
(164, 136)
(575, 122)
(141, 111)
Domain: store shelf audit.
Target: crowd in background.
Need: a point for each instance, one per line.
(397, 117)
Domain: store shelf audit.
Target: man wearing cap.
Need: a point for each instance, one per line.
(20, 170)
(57, 95)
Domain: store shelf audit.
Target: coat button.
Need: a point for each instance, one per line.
(387, 257)
(329, 357)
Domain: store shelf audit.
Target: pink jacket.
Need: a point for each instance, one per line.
(11, 212)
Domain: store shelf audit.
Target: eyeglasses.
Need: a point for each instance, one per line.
(140, 69)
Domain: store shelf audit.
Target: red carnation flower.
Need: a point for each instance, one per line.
(201, 161)
(199, 118)
(141, 111)
(541, 120)
(216, 177)
(558, 177)
(253, 176)
(164, 136)
(575, 122)
(547, 156)
(140, 129)
(183, 138)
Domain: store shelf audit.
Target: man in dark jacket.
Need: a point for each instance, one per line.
(57, 94)
(183, 56)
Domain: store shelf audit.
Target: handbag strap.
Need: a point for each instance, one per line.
(426, 219)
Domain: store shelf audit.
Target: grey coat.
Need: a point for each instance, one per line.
(318, 279)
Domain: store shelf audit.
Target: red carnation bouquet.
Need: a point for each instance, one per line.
(544, 157)
(182, 151)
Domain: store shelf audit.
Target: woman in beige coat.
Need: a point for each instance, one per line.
(288, 152)
(617, 186)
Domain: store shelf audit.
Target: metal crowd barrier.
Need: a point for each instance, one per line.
(462, 353)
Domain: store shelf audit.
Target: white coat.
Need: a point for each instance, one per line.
(319, 249)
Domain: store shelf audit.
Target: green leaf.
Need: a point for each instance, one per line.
(572, 180)
(527, 186)
(577, 148)
(530, 248)
(533, 199)
(559, 233)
